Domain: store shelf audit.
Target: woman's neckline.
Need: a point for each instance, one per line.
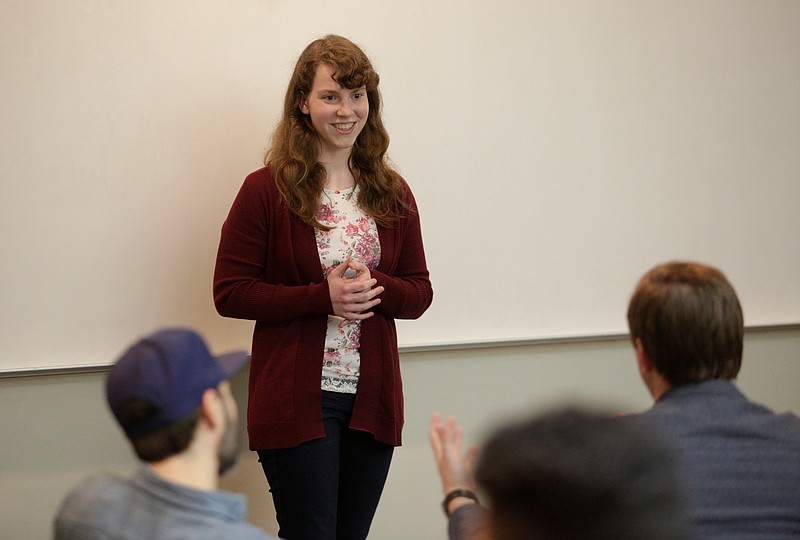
(341, 190)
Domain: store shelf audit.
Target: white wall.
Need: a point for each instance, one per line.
(557, 149)
(56, 429)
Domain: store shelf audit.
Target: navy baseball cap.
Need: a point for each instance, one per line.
(171, 368)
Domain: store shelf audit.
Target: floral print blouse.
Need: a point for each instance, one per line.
(354, 235)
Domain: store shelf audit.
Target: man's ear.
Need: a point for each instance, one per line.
(210, 407)
(643, 360)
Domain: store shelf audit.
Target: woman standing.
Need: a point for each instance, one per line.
(323, 249)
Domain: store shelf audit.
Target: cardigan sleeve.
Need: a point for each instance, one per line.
(408, 292)
(248, 284)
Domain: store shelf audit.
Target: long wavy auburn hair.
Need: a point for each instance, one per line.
(294, 152)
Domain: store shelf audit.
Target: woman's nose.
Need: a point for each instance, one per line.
(344, 109)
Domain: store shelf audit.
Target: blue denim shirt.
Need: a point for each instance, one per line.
(147, 506)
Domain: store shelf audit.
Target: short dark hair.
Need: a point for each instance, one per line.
(690, 322)
(165, 441)
(581, 475)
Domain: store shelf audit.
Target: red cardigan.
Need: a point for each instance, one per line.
(268, 270)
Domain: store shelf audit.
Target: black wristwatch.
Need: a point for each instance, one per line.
(469, 494)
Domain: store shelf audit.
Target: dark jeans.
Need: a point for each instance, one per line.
(328, 489)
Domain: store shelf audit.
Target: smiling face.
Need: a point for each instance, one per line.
(338, 114)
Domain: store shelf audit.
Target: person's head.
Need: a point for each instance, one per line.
(686, 319)
(328, 62)
(337, 64)
(165, 385)
(580, 475)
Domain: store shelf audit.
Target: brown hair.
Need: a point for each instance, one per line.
(689, 321)
(165, 441)
(293, 156)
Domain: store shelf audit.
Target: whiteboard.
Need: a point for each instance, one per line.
(557, 149)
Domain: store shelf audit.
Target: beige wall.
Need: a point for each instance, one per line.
(56, 429)
(583, 141)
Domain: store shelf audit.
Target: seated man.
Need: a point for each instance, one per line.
(741, 460)
(566, 475)
(174, 402)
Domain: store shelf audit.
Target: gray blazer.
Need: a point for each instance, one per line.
(741, 461)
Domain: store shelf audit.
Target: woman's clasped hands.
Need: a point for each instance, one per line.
(353, 297)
